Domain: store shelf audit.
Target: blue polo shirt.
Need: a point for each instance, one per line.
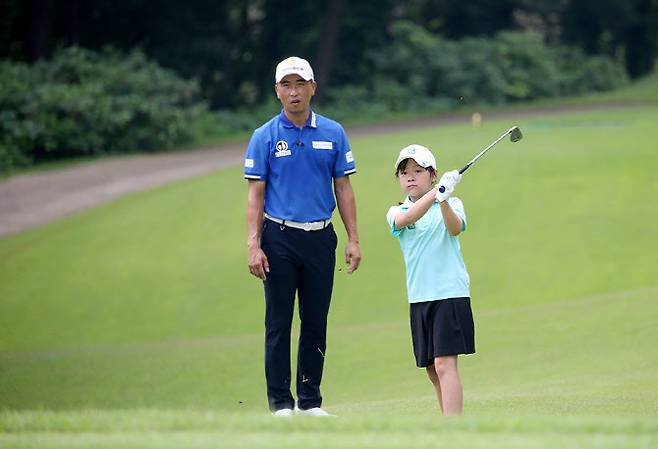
(298, 165)
(433, 258)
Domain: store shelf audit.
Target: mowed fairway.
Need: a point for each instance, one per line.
(136, 324)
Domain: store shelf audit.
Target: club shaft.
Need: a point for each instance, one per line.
(465, 167)
(505, 134)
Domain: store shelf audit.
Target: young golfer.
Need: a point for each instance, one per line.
(427, 224)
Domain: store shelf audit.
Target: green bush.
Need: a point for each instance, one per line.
(527, 65)
(415, 66)
(475, 74)
(352, 103)
(84, 103)
(580, 73)
(510, 67)
(603, 74)
(418, 71)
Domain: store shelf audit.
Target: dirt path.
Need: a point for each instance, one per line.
(34, 199)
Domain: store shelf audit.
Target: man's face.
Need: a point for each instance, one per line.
(295, 93)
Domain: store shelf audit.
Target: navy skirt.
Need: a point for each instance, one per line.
(441, 328)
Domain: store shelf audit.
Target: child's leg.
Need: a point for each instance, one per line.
(450, 385)
(434, 378)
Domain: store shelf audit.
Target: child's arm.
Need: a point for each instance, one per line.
(452, 221)
(406, 217)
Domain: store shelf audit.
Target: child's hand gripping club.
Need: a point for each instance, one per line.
(447, 185)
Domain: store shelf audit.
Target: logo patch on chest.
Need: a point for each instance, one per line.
(323, 145)
(282, 149)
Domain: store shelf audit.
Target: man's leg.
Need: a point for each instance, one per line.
(451, 387)
(315, 287)
(280, 287)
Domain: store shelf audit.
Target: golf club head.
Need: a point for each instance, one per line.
(515, 134)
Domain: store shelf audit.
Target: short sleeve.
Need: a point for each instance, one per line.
(390, 218)
(345, 164)
(457, 206)
(256, 159)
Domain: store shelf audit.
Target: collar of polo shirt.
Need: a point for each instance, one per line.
(311, 122)
(407, 203)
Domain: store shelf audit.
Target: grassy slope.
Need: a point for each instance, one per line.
(135, 321)
(642, 90)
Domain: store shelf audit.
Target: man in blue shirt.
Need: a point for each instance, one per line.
(291, 163)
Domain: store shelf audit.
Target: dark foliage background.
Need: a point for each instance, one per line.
(371, 58)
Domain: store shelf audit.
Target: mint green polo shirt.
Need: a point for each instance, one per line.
(433, 259)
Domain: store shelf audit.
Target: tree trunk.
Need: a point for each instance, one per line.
(327, 43)
(40, 29)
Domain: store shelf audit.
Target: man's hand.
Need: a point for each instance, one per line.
(258, 264)
(352, 256)
(448, 181)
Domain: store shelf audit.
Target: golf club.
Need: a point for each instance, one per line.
(514, 135)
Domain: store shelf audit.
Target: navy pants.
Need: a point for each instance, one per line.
(300, 262)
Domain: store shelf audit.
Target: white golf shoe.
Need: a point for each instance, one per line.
(283, 413)
(315, 411)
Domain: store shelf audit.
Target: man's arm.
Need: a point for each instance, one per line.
(256, 258)
(347, 209)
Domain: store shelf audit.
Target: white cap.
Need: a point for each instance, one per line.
(294, 65)
(422, 155)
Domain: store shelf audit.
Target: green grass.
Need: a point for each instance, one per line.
(148, 428)
(136, 324)
(643, 90)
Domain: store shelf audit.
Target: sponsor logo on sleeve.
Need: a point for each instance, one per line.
(348, 157)
(249, 163)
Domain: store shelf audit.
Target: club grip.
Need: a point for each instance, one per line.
(461, 170)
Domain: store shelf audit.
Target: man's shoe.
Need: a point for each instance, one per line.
(283, 413)
(315, 411)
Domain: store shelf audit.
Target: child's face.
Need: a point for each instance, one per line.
(415, 180)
